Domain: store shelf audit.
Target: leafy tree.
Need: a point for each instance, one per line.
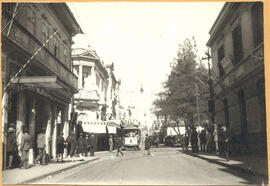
(178, 100)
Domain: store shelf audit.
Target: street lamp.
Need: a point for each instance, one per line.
(211, 101)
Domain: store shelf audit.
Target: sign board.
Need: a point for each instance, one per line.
(171, 130)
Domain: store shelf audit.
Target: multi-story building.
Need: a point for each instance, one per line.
(112, 94)
(91, 102)
(237, 47)
(39, 97)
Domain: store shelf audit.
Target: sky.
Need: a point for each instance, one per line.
(141, 39)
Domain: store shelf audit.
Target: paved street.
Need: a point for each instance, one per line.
(164, 166)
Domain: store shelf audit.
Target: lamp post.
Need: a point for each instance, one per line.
(211, 101)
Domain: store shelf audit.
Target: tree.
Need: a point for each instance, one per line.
(178, 100)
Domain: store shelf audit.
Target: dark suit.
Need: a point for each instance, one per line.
(25, 146)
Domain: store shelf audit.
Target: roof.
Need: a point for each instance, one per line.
(67, 18)
(220, 20)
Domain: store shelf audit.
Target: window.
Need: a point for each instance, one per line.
(257, 22)
(56, 48)
(220, 57)
(97, 81)
(45, 31)
(243, 112)
(226, 113)
(85, 75)
(237, 44)
(65, 52)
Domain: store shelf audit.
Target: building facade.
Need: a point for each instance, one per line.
(39, 97)
(237, 47)
(95, 103)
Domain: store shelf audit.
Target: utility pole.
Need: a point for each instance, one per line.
(211, 101)
(197, 101)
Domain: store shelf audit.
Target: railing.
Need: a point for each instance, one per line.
(30, 44)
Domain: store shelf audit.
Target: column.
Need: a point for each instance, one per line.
(93, 81)
(80, 76)
(32, 129)
(54, 134)
(64, 118)
(20, 117)
(48, 128)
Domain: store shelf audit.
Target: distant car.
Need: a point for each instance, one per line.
(174, 141)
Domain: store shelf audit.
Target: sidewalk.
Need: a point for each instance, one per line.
(255, 166)
(24, 176)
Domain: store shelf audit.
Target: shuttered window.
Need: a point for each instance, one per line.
(237, 44)
(257, 22)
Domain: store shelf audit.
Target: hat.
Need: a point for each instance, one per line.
(10, 129)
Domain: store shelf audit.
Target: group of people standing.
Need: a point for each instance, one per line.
(81, 146)
(218, 140)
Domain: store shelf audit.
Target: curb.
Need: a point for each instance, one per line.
(239, 169)
(56, 172)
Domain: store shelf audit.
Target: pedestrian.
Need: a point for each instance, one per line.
(41, 146)
(227, 137)
(216, 134)
(147, 143)
(25, 146)
(11, 146)
(86, 145)
(209, 140)
(186, 142)
(111, 143)
(202, 137)
(194, 140)
(80, 145)
(71, 140)
(119, 145)
(60, 142)
(93, 143)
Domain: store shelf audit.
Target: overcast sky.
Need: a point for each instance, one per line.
(142, 38)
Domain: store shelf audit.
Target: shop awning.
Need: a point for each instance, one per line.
(111, 130)
(94, 128)
(40, 81)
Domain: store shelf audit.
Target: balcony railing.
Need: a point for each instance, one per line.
(30, 44)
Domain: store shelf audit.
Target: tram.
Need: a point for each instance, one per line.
(132, 137)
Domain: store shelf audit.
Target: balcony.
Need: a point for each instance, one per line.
(28, 44)
(249, 64)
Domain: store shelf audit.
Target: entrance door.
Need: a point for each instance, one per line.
(243, 112)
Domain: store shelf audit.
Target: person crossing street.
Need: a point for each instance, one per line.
(119, 145)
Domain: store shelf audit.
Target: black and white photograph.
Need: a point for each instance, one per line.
(133, 93)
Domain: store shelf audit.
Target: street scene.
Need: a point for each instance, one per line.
(133, 93)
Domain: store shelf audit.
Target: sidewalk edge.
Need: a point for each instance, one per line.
(240, 169)
(55, 172)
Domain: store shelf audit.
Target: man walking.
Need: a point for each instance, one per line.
(202, 137)
(71, 140)
(147, 144)
(25, 146)
(119, 145)
(92, 144)
(41, 146)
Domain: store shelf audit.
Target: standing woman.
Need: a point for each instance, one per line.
(80, 145)
(60, 146)
(147, 144)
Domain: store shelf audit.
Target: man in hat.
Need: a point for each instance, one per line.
(11, 145)
(41, 146)
(25, 146)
